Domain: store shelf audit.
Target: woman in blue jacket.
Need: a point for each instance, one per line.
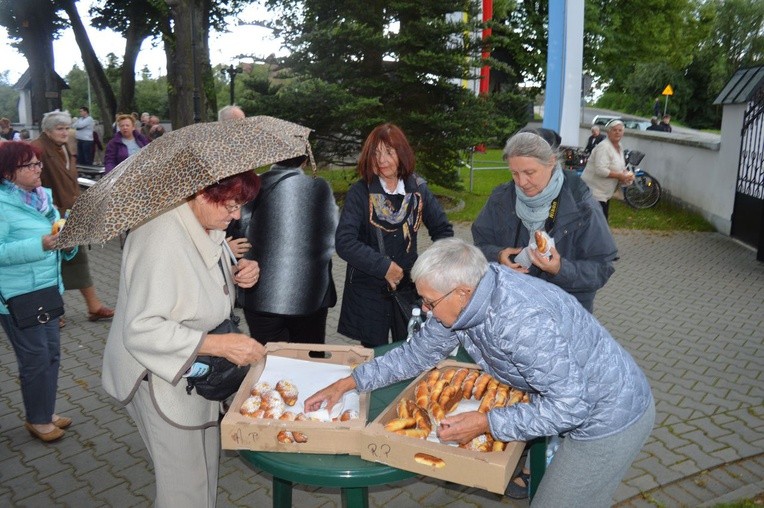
(533, 336)
(28, 262)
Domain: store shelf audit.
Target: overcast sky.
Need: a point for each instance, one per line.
(224, 47)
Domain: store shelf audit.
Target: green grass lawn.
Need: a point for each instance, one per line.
(664, 216)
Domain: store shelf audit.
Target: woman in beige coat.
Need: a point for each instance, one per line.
(606, 167)
(176, 283)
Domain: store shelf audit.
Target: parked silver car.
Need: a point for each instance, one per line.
(629, 123)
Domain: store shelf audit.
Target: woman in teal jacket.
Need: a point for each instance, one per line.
(28, 262)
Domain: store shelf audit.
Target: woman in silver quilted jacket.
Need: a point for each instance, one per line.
(534, 336)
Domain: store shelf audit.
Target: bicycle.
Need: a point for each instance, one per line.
(646, 191)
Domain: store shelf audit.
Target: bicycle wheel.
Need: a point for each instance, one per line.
(645, 192)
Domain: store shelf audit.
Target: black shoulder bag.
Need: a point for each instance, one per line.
(223, 378)
(37, 307)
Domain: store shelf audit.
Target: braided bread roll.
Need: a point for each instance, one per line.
(481, 384)
(448, 375)
(469, 383)
(432, 378)
(400, 424)
(422, 394)
(437, 389)
(459, 377)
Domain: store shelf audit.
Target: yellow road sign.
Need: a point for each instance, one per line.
(668, 90)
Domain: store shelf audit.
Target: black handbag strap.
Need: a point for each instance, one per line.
(58, 280)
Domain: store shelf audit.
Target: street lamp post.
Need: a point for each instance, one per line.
(231, 71)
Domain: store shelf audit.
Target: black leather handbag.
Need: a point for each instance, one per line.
(36, 308)
(223, 378)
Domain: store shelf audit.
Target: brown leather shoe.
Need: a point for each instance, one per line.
(62, 422)
(102, 313)
(45, 437)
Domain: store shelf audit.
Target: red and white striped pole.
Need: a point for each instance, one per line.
(485, 70)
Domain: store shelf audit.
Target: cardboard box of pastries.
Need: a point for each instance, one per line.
(483, 464)
(256, 422)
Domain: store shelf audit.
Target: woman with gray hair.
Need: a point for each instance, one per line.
(606, 168)
(543, 197)
(535, 337)
(59, 173)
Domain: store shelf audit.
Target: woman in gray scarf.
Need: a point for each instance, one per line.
(541, 196)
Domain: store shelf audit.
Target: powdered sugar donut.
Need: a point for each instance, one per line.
(251, 405)
(261, 388)
(288, 391)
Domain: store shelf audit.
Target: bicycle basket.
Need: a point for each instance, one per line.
(634, 157)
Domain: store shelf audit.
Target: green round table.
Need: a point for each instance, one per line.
(351, 474)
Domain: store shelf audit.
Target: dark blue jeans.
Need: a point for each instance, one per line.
(85, 152)
(38, 353)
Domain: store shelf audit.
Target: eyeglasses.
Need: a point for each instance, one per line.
(385, 152)
(233, 208)
(31, 165)
(432, 304)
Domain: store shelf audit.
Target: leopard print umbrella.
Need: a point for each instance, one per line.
(174, 167)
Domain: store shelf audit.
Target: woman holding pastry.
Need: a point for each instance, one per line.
(606, 168)
(534, 337)
(29, 262)
(176, 283)
(543, 202)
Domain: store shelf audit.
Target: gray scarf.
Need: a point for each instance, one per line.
(533, 211)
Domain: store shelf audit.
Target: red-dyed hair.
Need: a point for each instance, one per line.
(13, 154)
(240, 188)
(392, 136)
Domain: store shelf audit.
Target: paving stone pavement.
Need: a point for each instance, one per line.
(688, 306)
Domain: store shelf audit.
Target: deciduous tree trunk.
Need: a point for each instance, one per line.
(35, 18)
(100, 85)
(187, 58)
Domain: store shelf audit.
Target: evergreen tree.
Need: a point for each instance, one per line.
(358, 63)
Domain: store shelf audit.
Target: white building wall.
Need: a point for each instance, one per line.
(700, 174)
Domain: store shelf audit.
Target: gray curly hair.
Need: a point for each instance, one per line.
(449, 263)
(55, 118)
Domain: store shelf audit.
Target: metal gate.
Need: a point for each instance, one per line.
(748, 212)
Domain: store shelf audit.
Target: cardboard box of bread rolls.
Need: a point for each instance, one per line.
(308, 367)
(488, 470)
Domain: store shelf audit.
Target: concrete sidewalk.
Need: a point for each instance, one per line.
(688, 306)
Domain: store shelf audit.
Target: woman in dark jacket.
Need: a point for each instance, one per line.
(541, 196)
(377, 236)
(125, 143)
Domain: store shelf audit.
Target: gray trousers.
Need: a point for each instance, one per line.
(586, 473)
(185, 461)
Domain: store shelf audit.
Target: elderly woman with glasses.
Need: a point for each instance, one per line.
(533, 336)
(176, 284)
(29, 262)
(377, 236)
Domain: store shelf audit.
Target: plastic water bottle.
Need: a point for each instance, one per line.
(415, 323)
(553, 442)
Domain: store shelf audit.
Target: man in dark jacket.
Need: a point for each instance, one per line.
(595, 138)
(289, 228)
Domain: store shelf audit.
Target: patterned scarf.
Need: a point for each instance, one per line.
(37, 198)
(533, 211)
(384, 214)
